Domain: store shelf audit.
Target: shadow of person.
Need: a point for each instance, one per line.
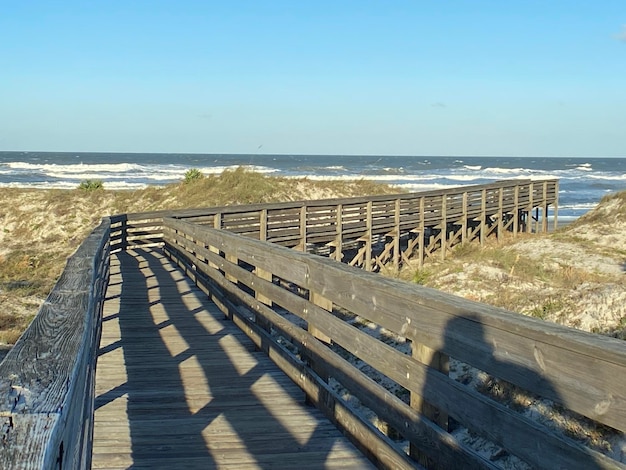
(492, 409)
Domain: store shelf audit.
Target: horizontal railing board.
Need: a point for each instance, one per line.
(429, 436)
(522, 433)
(519, 433)
(327, 203)
(534, 343)
(46, 379)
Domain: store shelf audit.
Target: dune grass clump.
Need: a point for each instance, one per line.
(91, 185)
(192, 175)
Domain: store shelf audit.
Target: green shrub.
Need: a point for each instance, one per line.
(193, 174)
(421, 276)
(91, 185)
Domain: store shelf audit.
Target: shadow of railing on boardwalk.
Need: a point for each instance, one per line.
(157, 442)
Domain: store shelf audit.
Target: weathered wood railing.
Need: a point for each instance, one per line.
(294, 305)
(47, 379)
(372, 231)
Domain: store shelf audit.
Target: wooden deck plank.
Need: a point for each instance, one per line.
(179, 386)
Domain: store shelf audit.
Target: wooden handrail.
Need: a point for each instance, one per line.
(47, 379)
(412, 225)
(541, 358)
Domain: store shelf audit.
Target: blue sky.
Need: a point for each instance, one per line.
(537, 78)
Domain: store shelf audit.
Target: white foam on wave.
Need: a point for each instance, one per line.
(111, 185)
(78, 168)
(608, 177)
(578, 206)
(507, 171)
(418, 187)
(472, 167)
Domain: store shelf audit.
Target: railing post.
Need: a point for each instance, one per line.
(339, 233)
(263, 225)
(483, 217)
(303, 215)
(396, 237)
(368, 236)
(529, 212)
(217, 224)
(261, 273)
(440, 362)
(422, 234)
(516, 211)
(326, 304)
(444, 226)
(500, 212)
(464, 220)
(544, 222)
(556, 204)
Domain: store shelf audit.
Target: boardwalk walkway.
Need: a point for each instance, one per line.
(179, 386)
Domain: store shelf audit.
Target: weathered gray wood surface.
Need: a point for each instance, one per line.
(349, 221)
(46, 380)
(543, 358)
(180, 386)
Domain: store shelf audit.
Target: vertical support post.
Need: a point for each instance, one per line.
(326, 304)
(483, 217)
(529, 212)
(444, 226)
(421, 234)
(303, 212)
(217, 224)
(124, 233)
(500, 213)
(556, 205)
(544, 221)
(464, 220)
(440, 362)
(261, 273)
(232, 258)
(396, 236)
(516, 211)
(368, 236)
(339, 235)
(263, 225)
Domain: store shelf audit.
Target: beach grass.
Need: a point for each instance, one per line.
(40, 228)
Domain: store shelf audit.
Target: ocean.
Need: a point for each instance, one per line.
(583, 181)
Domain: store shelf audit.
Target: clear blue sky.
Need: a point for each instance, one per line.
(540, 78)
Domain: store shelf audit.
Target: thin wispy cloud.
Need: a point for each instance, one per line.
(621, 36)
(438, 104)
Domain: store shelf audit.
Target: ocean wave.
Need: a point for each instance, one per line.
(608, 177)
(110, 185)
(218, 170)
(507, 171)
(418, 187)
(472, 167)
(578, 206)
(584, 168)
(76, 168)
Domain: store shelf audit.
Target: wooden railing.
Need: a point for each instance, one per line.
(373, 231)
(47, 379)
(301, 310)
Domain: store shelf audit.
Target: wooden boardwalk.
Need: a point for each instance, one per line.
(180, 386)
